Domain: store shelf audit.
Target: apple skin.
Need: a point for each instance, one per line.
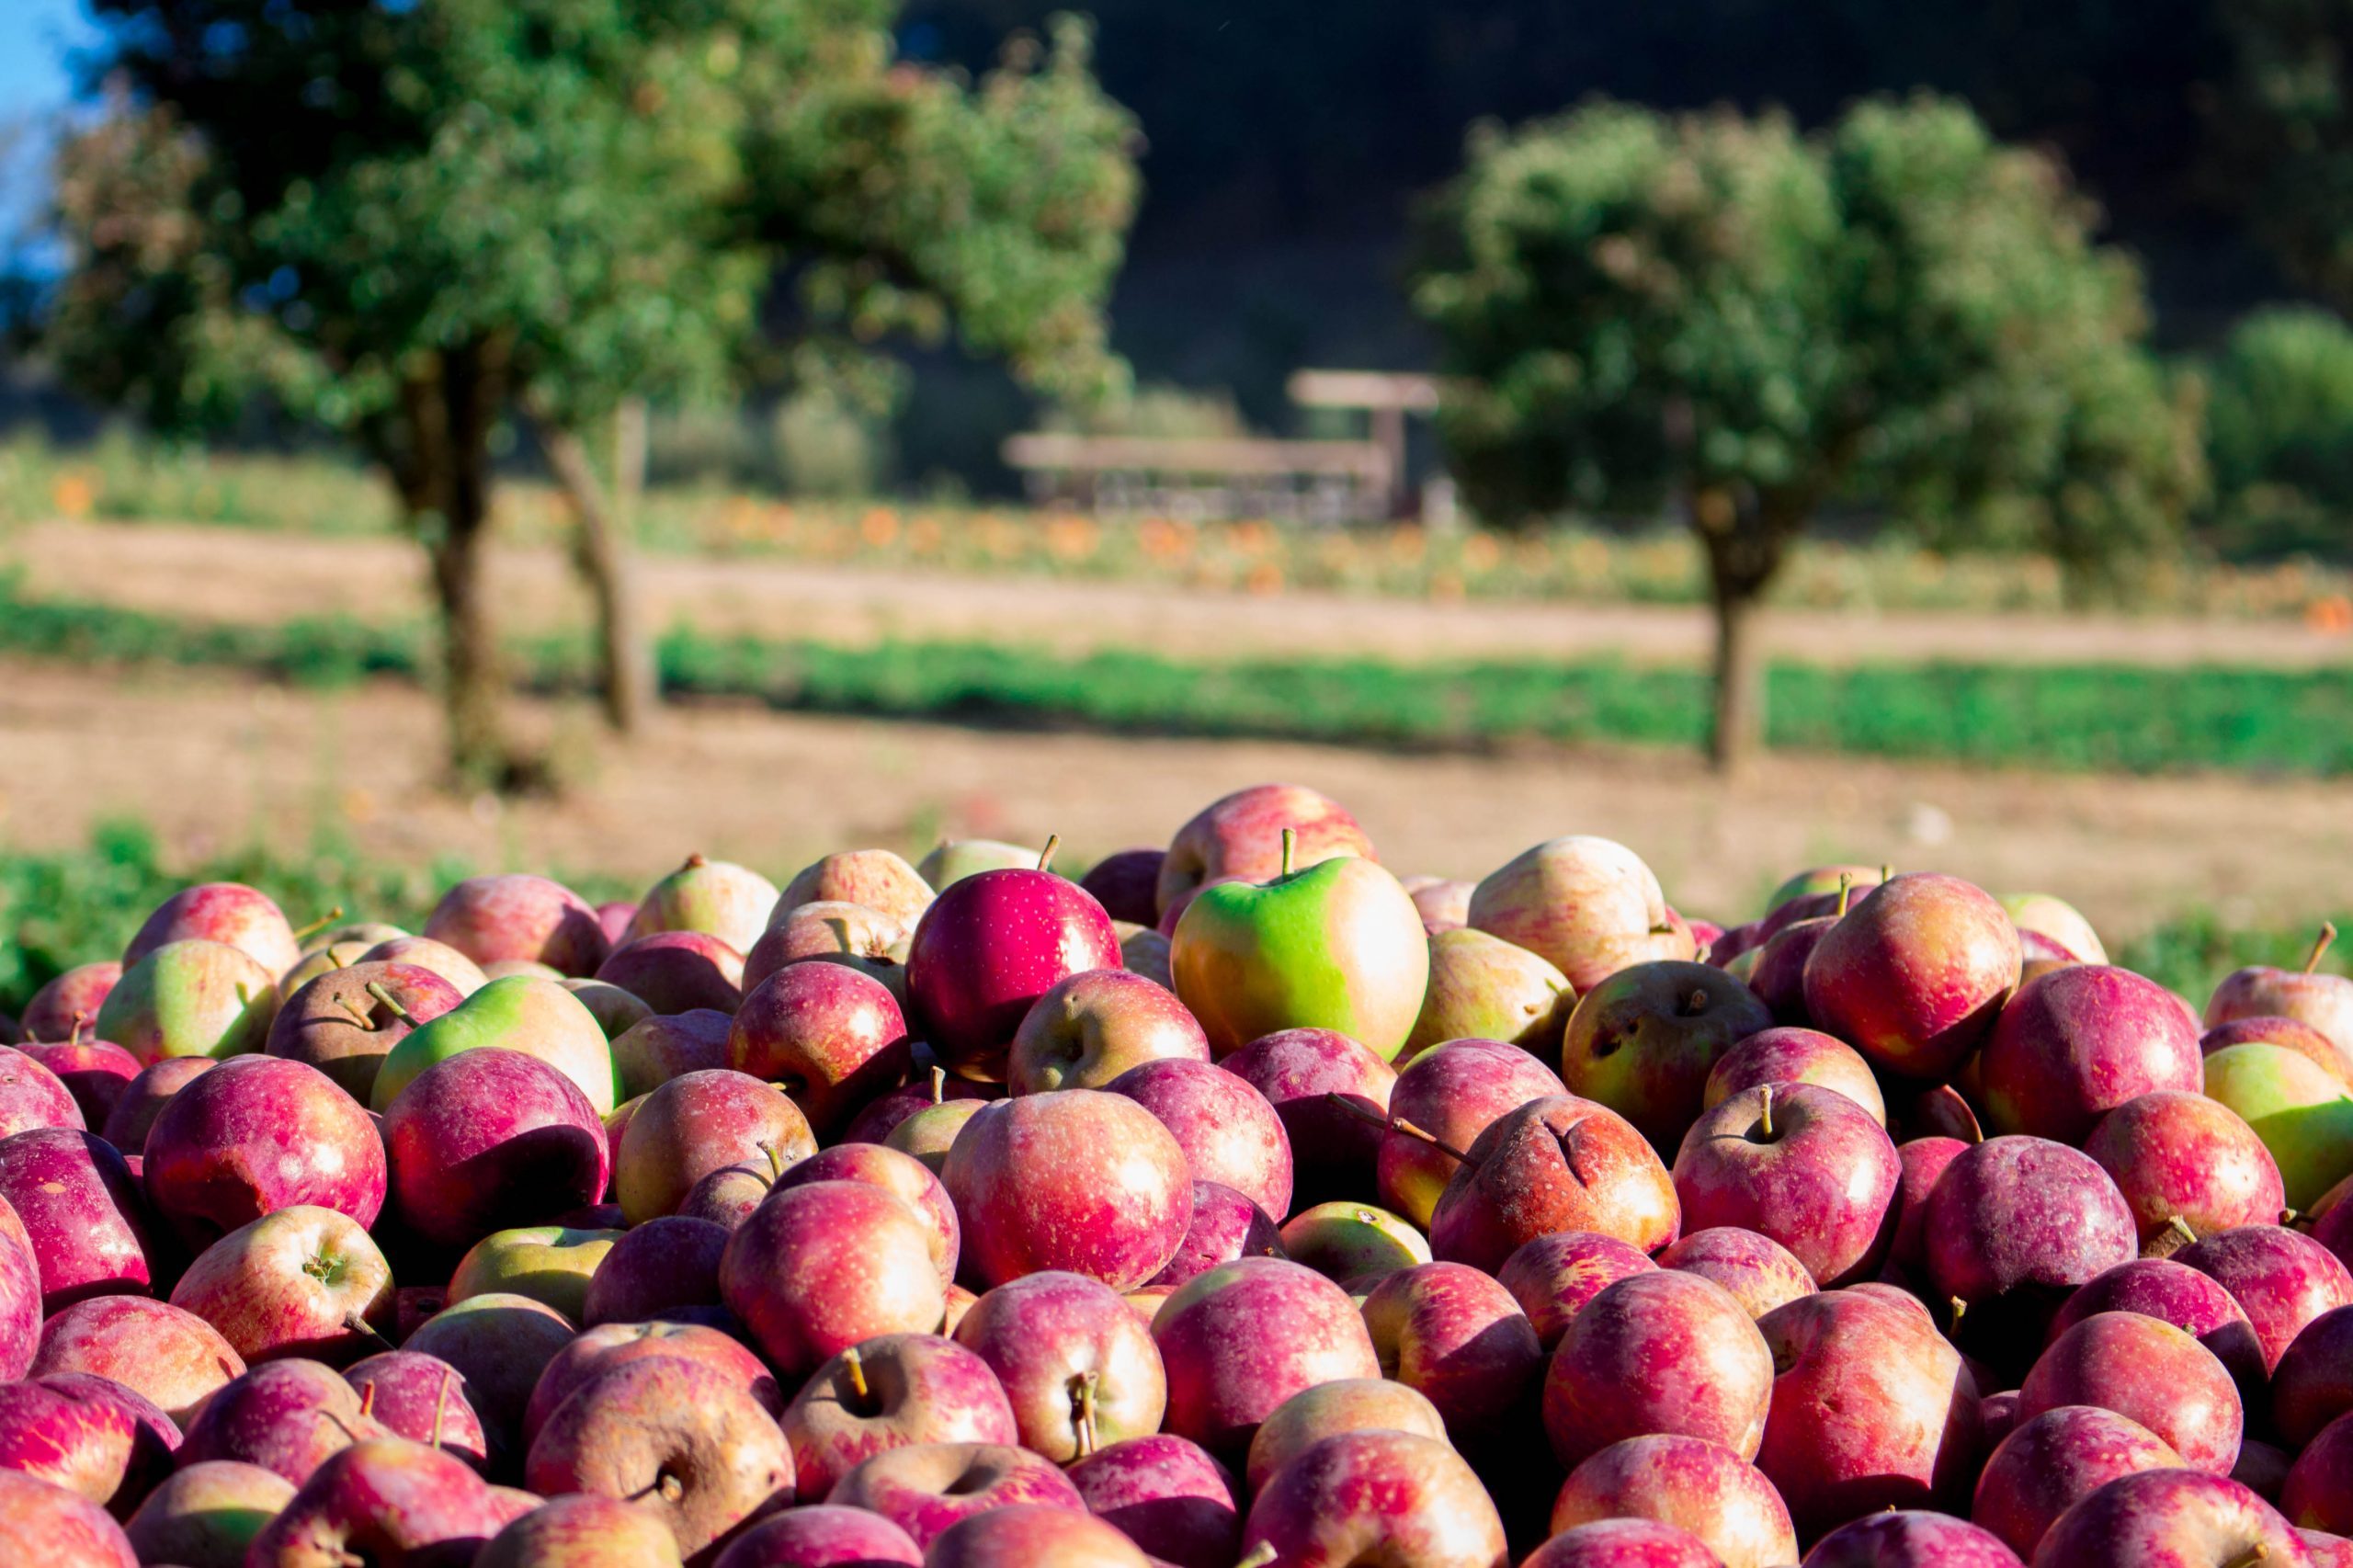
(94, 1072)
(926, 1487)
(1482, 987)
(668, 1265)
(552, 1264)
(2171, 1518)
(1556, 1163)
(1643, 1040)
(58, 1529)
(1352, 1244)
(335, 1024)
(2296, 1035)
(1337, 945)
(1333, 1150)
(1783, 1055)
(1689, 1482)
(584, 1359)
(538, 1018)
(143, 1099)
(1126, 882)
(2312, 1384)
(82, 1213)
(20, 1295)
(891, 1392)
(423, 952)
(256, 1135)
(2283, 1279)
(2055, 1460)
(31, 1096)
(1775, 967)
(849, 934)
(2148, 1370)
(678, 971)
(822, 1536)
(1167, 1495)
(2020, 1219)
(1457, 1337)
(1658, 1353)
(1444, 902)
(829, 1036)
(2316, 1493)
(2075, 1043)
(521, 916)
(902, 1174)
(1237, 1341)
(1923, 1161)
(171, 1357)
(290, 1284)
(1589, 907)
(1033, 1535)
(1240, 836)
(231, 913)
(1377, 1497)
(88, 1434)
(1077, 1179)
(2322, 1001)
(1049, 1336)
(2327, 1550)
(878, 879)
(1145, 952)
(1623, 1543)
(190, 998)
(1914, 1538)
(1871, 1409)
(77, 994)
(1760, 1272)
(2301, 1111)
(1344, 1404)
(206, 1515)
(1914, 975)
(1805, 1167)
(635, 1424)
(1225, 1225)
(583, 1530)
(699, 1123)
(500, 1344)
(818, 1268)
(1553, 1276)
(2172, 1291)
(285, 1416)
(2179, 1155)
(1228, 1131)
(1091, 1027)
(421, 1398)
(1453, 1092)
(392, 1500)
(987, 949)
(716, 898)
(663, 1046)
(491, 1139)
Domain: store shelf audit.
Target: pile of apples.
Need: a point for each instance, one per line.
(1238, 1205)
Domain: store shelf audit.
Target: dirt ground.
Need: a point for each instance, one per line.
(213, 761)
(238, 575)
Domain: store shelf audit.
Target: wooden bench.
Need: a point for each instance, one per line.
(1324, 482)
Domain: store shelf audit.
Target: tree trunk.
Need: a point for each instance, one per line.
(1745, 536)
(1740, 698)
(625, 661)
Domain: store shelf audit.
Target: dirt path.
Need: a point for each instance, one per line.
(212, 761)
(245, 576)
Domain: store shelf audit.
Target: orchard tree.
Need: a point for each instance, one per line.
(415, 222)
(1723, 317)
(2287, 123)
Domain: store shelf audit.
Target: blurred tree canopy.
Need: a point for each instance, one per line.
(1721, 316)
(406, 219)
(2288, 122)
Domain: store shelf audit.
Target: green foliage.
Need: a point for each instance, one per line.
(2282, 405)
(2288, 123)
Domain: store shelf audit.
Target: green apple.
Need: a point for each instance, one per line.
(1822, 880)
(550, 1264)
(2302, 1112)
(538, 1018)
(190, 998)
(953, 860)
(2055, 920)
(718, 898)
(1482, 987)
(1353, 1242)
(1337, 946)
(927, 1133)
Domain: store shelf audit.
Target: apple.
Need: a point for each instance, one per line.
(1225, 1225)
(385, 1500)
(231, 913)
(1457, 1337)
(2055, 1460)
(2312, 1384)
(583, 1530)
(663, 1046)
(931, 1130)
(94, 1072)
(337, 1024)
(1126, 884)
(81, 1212)
(1914, 975)
(878, 879)
(190, 998)
(822, 1536)
(1333, 1097)
(2171, 1518)
(206, 1515)
(2172, 1291)
(2322, 1001)
(2077, 1043)
(1782, 1055)
(2302, 1112)
(538, 1018)
(1871, 1408)
(926, 1487)
(1228, 1131)
(421, 1398)
(88, 1434)
(696, 1124)
(1377, 1497)
(2296, 1035)
(2148, 1370)
(1657, 1353)
(491, 1138)
(1441, 1102)
(582, 1360)
(72, 998)
(615, 1011)
(1444, 902)
(726, 1198)
(2283, 1279)
(1556, 1163)
(1344, 1404)
(682, 1439)
(1078, 1368)
(2315, 1493)
(1910, 1538)
(2015, 1223)
(1239, 837)
(667, 1267)
(552, 1264)
(464, 975)
(1166, 1495)
(2057, 921)
(171, 1358)
(285, 1416)
(303, 1280)
(31, 1096)
(1588, 905)
(1760, 1272)
(59, 1528)
(829, 1036)
(1689, 1482)
(1482, 987)
(818, 1268)
(1623, 1543)
(953, 860)
(1145, 952)
(1237, 1341)
(676, 971)
(907, 1178)
(500, 1345)
(519, 916)
(849, 934)
(1032, 1535)
(1806, 1166)
(1353, 1245)
(1077, 1179)
(256, 1135)
(1091, 1027)
(1553, 1276)
(891, 1391)
(142, 1101)
(1643, 1040)
(717, 898)
(2187, 1166)
(1773, 963)
(1335, 945)
(1923, 1161)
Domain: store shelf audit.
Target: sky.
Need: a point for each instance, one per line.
(35, 86)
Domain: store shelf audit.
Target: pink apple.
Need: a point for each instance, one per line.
(1913, 1539)
(1237, 1341)
(303, 1280)
(173, 1358)
(663, 1046)
(822, 1536)
(2019, 1221)
(1126, 884)
(1688, 1483)
(1225, 1225)
(1556, 1163)
(1760, 1272)
(285, 1416)
(1794, 1056)
(818, 1268)
(488, 1140)
(1239, 837)
(678, 971)
(31, 1096)
(2171, 1518)
(583, 1530)
(2079, 1041)
(94, 1072)
(1090, 1028)
(876, 878)
(826, 1035)
(1554, 1274)
(1076, 1179)
(987, 949)
(394, 1500)
(1658, 1353)
(1914, 976)
(927, 1487)
(87, 1434)
(667, 1267)
(1588, 904)
(1806, 1166)
(59, 1528)
(699, 1123)
(205, 1516)
(2147, 1369)
(1459, 1338)
(81, 1211)
(2172, 1291)
(1078, 1368)
(1377, 1497)
(2187, 1166)
(421, 1398)
(516, 917)
(70, 1000)
(1623, 1543)
(1452, 1094)
(242, 917)
(1166, 1495)
(2283, 1279)
(893, 1390)
(1344, 1404)
(1643, 1041)
(1228, 1131)
(1032, 1535)
(500, 1343)
(2056, 1460)
(584, 1359)
(257, 1134)
(895, 1173)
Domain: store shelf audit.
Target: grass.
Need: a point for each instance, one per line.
(74, 906)
(2079, 718)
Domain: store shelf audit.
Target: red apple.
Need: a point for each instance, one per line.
(2294, 1033)
(1090, 1028)
(1377, 1497)
(1225, 1225)
(300, 1282)
(2307, 995)
(847, 935)
(987, 949)
(1457, 1337)
(1126, 884)
(1334, 1143)
(2015, 1222)
(583, 1530)
(59, 1528)
(699, 1123)
(1588, 904)
(1032, 1535)
(2056, 1460)
(81, 1212)
(1794, 1056)
(1076, 1179)
(1914, 976)
(818, 1268)
(1806, 1166)
(876, 878)
(70, 1000)
(171, 1357)
(1553, 1276)
(2077, 1042)
(2187, 1166)
(663, 1046)
(1237, 1341)
(893, 1172)
(1344, 1404)
(927, 1487)
(894, 1391)
(258, 1135)
(516, 916)
(668, 1265)
(1452, 1094)
(285, 1416)
(386, 1500)
(1239, 838)
(1623, 1543)
(1760, 1272)
(1166, 1495)
(500, 1343)
(1556, 1163)
(231, 913)
(94, 1072)
(826, 1035)
(583, 1360)
(2312, 1384)
(1078, 1368)
(2318, 1492)
(2282, 1279)
(1688, 1483)
(2171, 1518)
(1227, 1129)
(142, 1101)
(31, 1096)
(1658, 1353)
(2172, 1291)
(421, 1398)
(1910, 1540)
(1643, 1041)
(2148, 1370)
(822, 1536)
(678, 971)
(88, 1434)
(206, 1515)
(492, 1139)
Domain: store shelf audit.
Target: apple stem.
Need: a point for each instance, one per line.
(855, 1364)
(2327, 935)
(2288, 1217)
(1046, 855)
(244, 994)
(1290, 848)
(1766, 1092)
(1960, 1308)
(2180, 1227)
(2254, 1554)
(376, 989)
(694, 862)
(1394, 1124)
(775, 1161)
(1886, 872)
(81, 1022)
(1259, 1556)
(1846, 891)
(1082, 1397)
(321, 923)
(366, 1330)
(367, 1398)
(441, 1402)
(938, 1085)
(357, 1011)
(336, 958)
